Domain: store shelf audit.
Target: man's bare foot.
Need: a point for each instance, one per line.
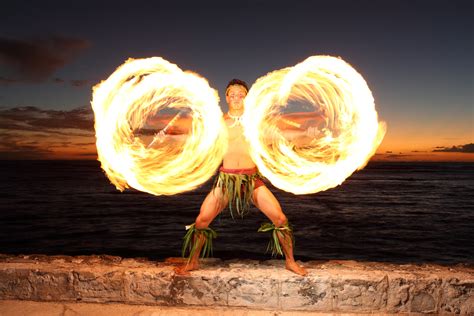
(185, 268)
(293, 266)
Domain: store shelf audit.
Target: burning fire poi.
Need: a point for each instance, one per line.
(141, 88)
(350, 137)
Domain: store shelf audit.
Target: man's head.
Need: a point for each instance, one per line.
(235, 93)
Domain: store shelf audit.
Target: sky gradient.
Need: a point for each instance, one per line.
(416, 57)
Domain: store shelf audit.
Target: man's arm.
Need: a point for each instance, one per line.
(177, 124)
(299, 128)
(172, 124)
(300, 120)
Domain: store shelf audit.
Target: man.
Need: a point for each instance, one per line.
(238, 184)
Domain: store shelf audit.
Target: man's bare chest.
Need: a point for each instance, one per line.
(237, 138)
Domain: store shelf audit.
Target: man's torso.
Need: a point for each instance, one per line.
(238, 150)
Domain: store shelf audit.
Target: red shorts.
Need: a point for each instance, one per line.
(258, 180)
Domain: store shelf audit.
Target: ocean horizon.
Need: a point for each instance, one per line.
(400, 212)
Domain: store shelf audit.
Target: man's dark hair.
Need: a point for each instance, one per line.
(236, 82)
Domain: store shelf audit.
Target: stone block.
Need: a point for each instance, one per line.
(457, 296)
(198, 289)
(14, 284)
(366, 293)
(52, 285)
(424, 294)
(145, 286)
(398, 295)
(99, 286)
(258, 291)
(308, 293)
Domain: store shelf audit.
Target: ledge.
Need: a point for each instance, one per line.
(330, 286)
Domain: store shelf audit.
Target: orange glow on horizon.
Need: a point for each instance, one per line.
(83, 148)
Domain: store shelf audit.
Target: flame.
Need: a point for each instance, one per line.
(350, 137)
(301, 164)
(138, 89)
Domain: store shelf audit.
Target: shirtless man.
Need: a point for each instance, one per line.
(238, 167)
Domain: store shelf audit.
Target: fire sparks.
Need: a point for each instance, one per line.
(350, 136)
(137, 90)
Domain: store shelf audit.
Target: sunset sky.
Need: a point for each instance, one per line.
(416, 56)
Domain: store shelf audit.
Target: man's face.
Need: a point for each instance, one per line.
(235, 97)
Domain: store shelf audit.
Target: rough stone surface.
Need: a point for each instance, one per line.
(457, 296)
(360, 293)
(145, 287)
(15, 284)
(258, 291)
(425, 294)
(331, 286)
(99, 286)
(201, 290)
(398, 294)
(308, 293)
(51, 285)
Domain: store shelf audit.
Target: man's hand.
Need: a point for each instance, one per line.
(312, 131)
(158, 138)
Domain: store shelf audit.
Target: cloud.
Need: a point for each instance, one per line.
(36, 60)
(79, 83)
(31, 118)
(33, 133)
(6, 81)
(73, 82)
(467, 148)
(57, 80)
(91, 154)
(397, 156)
(13, 146)
(145, 132)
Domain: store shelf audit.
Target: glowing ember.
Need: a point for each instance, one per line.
(323, 160)
(137, 90)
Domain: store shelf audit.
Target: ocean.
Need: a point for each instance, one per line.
(399, 212)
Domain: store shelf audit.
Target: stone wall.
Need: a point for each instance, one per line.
(330, 286)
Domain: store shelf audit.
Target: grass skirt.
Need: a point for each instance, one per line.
(238, 185)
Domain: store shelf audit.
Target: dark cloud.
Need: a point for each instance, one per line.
(73, 82)
(397, 156)
(85, 144)
(18, 145)
(91, 154)
(13, 146)
(33, 133)
(31, 118)
(36, 60)
(145, 132)
(57, 80)
(467, 148)
(79, 83)
(6, 81)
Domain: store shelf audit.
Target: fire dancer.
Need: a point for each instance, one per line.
(237, 184)
(294, 151)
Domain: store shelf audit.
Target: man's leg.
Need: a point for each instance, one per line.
(264, 200)
(213, 204)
